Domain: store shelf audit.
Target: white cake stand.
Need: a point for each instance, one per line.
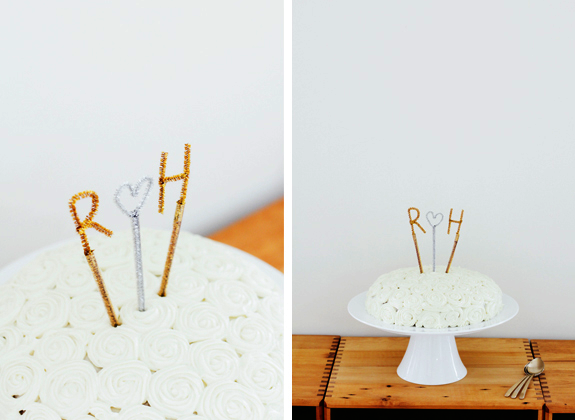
(431, 357)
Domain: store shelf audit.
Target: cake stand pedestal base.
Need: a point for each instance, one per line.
(431, 360)
(431, 357)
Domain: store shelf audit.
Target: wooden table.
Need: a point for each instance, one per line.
(364, 376)
(260, 234)
(312, 361)
(558, 380)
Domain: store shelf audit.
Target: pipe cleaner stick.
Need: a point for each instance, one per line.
(134, 215)
(456, 236)
(184, 176)
(412, 222)
(434, 221)
(89, 253)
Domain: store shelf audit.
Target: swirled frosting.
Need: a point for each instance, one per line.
(201, 321)
(264, 375)
(70, 388)
(87, 311)
(176, 391)
(124, 384)
(20, 381)
(213, 348)
(437, 299)
(112, 345)
(162, 348)
(251, 333)
(36, 411)
(59, 346)
(11, 301)
(43, 313)
(215, 360)
(231, 401)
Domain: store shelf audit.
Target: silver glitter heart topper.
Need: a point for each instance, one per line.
(134, 191)
(434, 220)
(135, 217)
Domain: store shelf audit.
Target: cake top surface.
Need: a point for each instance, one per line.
(458, 278)
(434, 299)
(212, 347)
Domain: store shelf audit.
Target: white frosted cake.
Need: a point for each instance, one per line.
(437, 299)
(211, 349)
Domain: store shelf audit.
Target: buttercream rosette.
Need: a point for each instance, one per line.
(87, 312)
(251, 333)
(21, 379)
(162, 348)
(44, 312)
(37, 411)
(11, 339)
(70, 388)
(154, 258)
(176, 391)
(264, 375)
(122, 286)
(61, 345)
(11, 301)
(124, 384)
(215, 360)
(231, 401)
(186, 286)
(201, 321)
(112, 345)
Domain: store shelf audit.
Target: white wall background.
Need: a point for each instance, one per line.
(440, 104)
(91, 93)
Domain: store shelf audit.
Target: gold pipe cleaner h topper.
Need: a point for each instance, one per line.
(163, 180)
(89, 253)
(412, 222)
(456, 235)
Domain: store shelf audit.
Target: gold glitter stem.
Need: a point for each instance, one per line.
(98, 276)
(178, 216)
(452, 252)
(417, 252)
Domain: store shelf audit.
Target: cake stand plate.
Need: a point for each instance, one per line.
(431, 357)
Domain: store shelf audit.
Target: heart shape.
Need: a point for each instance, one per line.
(433, 218)
(134, 190)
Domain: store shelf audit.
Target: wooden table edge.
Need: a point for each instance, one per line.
(306, 402)
(560, 407)
(535, 406)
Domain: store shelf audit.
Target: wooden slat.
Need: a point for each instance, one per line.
(260, 234)
(312, 360)
(558, 380)
(364, 376)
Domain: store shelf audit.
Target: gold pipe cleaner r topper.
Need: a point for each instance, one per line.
(179, 209)
(88, 222)
(412, 222)
(89, 253)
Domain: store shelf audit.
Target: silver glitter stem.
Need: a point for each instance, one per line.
(135, 216)
(138, 256)
(433, 248)
(434, 220)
